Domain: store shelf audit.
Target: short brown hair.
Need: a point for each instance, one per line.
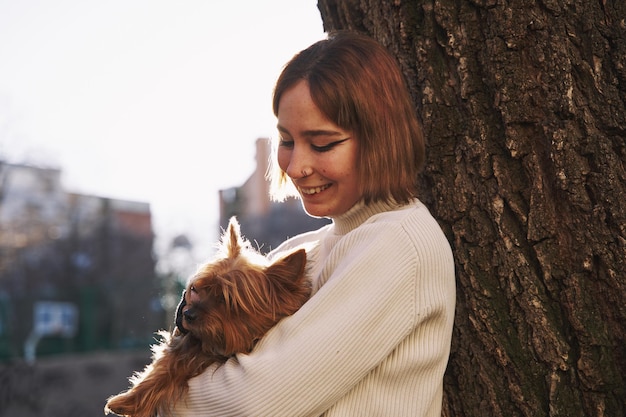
(357, 84)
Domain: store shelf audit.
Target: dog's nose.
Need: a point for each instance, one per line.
(189, 315)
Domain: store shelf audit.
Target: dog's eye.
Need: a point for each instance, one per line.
(193, 289)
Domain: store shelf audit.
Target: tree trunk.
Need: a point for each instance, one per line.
(523, 104)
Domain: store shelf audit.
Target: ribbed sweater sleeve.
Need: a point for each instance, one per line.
(373, 340)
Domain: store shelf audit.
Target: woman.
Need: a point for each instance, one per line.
(374, 338)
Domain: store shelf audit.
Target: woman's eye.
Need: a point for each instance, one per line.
(324, 148)
(285, 143)
(328, 147)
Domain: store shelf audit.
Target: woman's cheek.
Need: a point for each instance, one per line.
(283, 160)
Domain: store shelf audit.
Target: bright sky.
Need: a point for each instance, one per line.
(150, 100)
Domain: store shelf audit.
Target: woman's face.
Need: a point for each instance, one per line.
(318, 156)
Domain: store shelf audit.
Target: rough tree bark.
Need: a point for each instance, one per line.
(524, 107)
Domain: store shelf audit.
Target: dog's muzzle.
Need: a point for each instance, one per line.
(189, 315)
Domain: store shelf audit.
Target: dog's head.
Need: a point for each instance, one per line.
(233, 301)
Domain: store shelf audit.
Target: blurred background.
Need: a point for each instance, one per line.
(130, 131)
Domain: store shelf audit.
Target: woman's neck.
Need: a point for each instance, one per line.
(358, 214)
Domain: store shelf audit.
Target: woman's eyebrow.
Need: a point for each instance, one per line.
(321, 132)
(313, 132)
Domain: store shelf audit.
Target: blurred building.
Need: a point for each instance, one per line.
(264, 222)
(85, 251)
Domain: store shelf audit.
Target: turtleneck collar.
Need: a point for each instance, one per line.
(359, 213)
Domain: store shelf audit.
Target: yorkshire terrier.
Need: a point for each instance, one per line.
(228, 305)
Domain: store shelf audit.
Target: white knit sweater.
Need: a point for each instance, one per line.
(373, 340)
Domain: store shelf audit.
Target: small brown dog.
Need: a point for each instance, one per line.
(229, 304)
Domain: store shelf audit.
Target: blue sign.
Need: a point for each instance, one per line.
(55, 319)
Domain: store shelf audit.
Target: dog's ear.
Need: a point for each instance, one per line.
(291, 267)
(291, 287)
(232, 238)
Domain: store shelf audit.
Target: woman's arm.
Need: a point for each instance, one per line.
(313, 358)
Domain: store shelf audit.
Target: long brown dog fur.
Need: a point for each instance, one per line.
(230, 304)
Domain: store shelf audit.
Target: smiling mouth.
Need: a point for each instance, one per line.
(313, 190)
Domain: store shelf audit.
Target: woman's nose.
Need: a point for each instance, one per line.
(299, 164)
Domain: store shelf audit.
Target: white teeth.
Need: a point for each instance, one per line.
(311, 191)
